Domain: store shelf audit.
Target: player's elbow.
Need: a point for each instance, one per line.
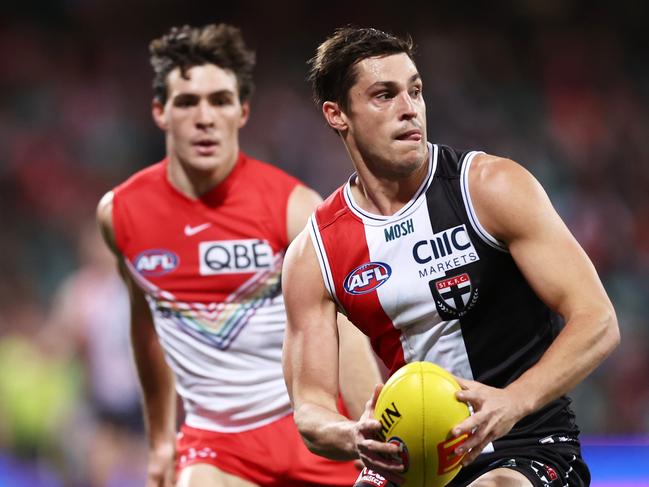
(605, 332)
(308, 429)
(326, 438)
(610, 337)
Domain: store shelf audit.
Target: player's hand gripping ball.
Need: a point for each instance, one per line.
(417, 409)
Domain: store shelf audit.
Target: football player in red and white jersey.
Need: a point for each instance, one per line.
(200, 239)
(442, 255)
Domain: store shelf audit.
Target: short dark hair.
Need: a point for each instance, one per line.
(185, 47)
(333, 72)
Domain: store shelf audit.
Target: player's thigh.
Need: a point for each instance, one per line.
(204, 475)
(501, 477)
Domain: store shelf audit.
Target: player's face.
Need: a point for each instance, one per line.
(202, 118)
(387, 115)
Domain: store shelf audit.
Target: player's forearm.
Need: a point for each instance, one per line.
(158, 394)
(160, 410)
(358, 370)
(325, 432)
(587, 339)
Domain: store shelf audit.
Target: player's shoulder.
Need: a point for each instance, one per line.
(498, 175)
(265, 172)
(128, 190)
(300, 261)
(449, 159)
(505, 195)
(104, 218)
(147, 177)
(447, 152)
(105, 207)
(332, 208)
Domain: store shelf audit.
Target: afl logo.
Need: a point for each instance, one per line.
(367, 277)
(155, 262)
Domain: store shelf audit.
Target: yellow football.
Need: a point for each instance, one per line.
(417, 409)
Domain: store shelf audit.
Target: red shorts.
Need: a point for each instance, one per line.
(272, 455)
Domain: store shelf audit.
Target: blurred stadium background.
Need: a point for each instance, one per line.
(560, 86)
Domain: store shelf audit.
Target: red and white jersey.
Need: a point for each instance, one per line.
(430, 283)
(367, 265)
(210, 269)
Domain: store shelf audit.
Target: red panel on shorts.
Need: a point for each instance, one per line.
(275, 455)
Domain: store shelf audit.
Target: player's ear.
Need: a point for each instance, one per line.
(158, 113)
(334, 115)
(245, 113)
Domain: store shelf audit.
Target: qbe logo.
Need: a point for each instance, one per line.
(367, 277)
(155, 262)
(234, 256)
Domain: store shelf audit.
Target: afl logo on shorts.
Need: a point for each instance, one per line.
(367, 277)
(155, 262)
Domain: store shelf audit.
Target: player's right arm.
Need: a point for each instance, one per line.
(156, 379)
(311, 368)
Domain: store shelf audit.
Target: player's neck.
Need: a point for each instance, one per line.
(194, 182)
(386, 195)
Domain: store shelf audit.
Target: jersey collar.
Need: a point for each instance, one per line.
(375, 219)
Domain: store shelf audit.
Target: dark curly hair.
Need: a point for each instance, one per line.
(332, 70)
(185, 47)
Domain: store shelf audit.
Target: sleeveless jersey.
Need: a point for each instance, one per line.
(429, 283)
(210, 270)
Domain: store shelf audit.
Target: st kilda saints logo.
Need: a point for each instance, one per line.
(454, 296)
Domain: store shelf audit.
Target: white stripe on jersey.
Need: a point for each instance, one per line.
(226, 356)
(468, 204)
(323, 260)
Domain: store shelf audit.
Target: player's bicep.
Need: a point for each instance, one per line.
(518, 212)
(557, 267)
(359, 371)
(104, 217)
(141, 318)
(310, 355)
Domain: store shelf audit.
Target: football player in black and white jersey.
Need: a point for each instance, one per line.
(483, 277)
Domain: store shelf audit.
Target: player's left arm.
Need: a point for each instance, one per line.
(359, 372)
(513, 207)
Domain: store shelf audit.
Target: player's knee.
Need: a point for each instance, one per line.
(502, 477)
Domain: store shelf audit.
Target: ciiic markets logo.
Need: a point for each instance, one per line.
(367, 277)
(155, 262)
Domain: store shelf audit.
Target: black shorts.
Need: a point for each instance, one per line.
(543, 465)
